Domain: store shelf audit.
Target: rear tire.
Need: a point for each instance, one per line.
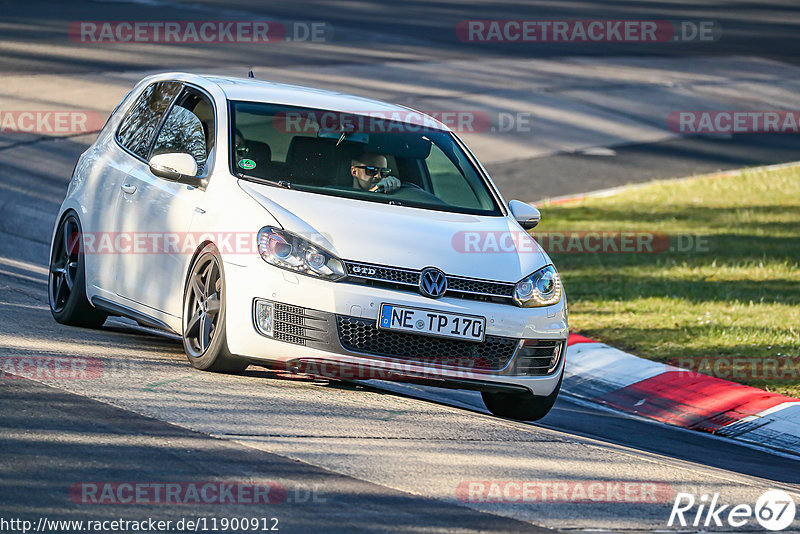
(204, 338)
(521, 406)
(66, 282)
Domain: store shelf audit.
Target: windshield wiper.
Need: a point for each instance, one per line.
(281, 183)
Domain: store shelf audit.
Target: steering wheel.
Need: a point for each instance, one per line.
(410, 184)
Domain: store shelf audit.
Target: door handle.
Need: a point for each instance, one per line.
(128, 189)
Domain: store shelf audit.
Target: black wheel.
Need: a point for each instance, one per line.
(66, 283)
(521, 406)
(204, 337)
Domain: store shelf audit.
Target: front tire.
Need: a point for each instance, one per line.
(204, 338)
(520, 406)
(66, 282)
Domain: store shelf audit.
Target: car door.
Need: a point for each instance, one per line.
(155, 214)
(132, 142)
(106, 168)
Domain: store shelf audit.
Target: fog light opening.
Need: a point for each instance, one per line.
(539, 357)
(556, 359)
(263, 315)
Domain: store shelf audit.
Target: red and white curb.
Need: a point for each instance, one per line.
(602, 374)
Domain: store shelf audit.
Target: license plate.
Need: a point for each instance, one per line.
(431, 322)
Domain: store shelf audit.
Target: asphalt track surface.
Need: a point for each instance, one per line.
(352, 457)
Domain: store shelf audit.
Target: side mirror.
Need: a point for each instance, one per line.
(175, 167)
(526, 215)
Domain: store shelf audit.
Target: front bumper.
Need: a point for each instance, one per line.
(333, 324)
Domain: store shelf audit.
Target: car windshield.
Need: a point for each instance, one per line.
(359, 156)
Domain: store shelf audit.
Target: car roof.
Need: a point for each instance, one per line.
(255, 90)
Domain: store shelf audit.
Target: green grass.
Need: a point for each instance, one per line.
(738, 298)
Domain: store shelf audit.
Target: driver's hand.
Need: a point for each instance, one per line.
(390, 184)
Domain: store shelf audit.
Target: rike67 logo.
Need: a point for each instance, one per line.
(774, 510)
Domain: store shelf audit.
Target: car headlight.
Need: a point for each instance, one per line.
(288, 251)
(542, 288)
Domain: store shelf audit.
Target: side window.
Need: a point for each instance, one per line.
(189, 129)
(138, 128)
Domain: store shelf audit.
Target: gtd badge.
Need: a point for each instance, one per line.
(432, 282)
(364, 271)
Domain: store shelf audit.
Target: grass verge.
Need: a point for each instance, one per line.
(720, 291)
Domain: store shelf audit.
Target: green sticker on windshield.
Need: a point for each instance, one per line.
(247, 164)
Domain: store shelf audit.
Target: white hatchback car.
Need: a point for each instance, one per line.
(312, 231)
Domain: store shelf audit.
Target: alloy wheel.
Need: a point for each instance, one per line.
(203, 302)
(64, 263)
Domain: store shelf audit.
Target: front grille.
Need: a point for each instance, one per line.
(408, 280)
(469, 285)
(383, 273)
(362, 336)
(298, 325)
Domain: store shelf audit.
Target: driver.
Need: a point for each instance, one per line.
(370, 173)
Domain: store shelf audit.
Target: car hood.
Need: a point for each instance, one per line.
(493, 248)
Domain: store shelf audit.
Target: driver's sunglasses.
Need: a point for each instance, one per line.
(373, 171)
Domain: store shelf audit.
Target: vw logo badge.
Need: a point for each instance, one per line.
(432, 282)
